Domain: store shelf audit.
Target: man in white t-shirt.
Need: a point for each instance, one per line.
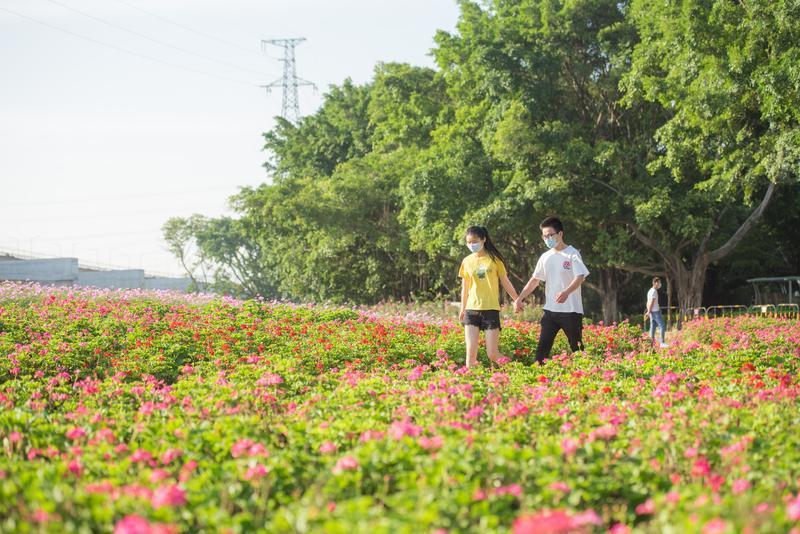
(562, 270)
(654, 312)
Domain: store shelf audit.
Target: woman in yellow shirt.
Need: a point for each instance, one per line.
(481, 274)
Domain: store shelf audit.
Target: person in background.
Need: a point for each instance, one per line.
(654, 313)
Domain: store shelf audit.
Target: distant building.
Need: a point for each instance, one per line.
(67, 272)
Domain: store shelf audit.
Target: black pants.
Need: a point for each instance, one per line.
(552, 322)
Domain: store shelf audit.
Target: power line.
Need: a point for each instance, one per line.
(167, 211)
(158, 194)
(125, 50)
(72, 237)
(187, 28)
(151, 39)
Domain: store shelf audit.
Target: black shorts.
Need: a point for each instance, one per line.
(483, 319)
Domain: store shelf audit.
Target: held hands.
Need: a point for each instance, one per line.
(518, 305)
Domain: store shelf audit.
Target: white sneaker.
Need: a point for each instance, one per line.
(664, 345)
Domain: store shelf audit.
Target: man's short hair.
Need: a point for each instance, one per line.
(552, 222)
(656, 279)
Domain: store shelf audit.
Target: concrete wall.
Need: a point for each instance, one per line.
(46, 271)
(65, 272)
(160, 282)
(119, 279)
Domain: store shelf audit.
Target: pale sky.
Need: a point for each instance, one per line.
(99, 147)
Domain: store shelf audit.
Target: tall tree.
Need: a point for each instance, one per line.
(728, 74)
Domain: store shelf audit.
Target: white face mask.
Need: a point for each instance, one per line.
(551, 242)
(475, 247)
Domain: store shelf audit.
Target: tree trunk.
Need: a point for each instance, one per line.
(689, 282)
(608, 285)
(610, 281)
(669, 300)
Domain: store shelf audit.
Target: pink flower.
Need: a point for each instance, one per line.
(256, 472)
(560, 486)
(347, 463)
(258, 449)
(569, 446)
(105, 434)
(474, 413)
(134, 524)
(370, 435)
(247, 447)
(511, 489)
(544, 522)
(41, 516)
(141, 455)
(404, 428)
(186, 470)
(99, 487)
(619, 528)
(15, 437)
(241, 447)
(158, 475)
(793, 508)
(75, 433)
(740, 486)
(586, 518)
(554, 522)
(430, 444)
(170, 455)
(648, 507)
(169, 495)
(75, 468)
(417, 372)
(715, 526)
(499, 380)
(327, 447)
(763, 508)
(269, 379)
(605, 432)
(701, 467)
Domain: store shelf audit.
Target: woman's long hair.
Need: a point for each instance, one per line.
(482, 233)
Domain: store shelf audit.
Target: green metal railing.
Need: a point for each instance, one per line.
(674, 315)
(729, 310)
(787, 310)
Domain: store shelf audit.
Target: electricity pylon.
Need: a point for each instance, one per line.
(290, 109)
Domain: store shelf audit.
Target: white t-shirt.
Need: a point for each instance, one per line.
(653, 295)
(557, 269)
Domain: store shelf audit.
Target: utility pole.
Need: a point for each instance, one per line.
(290, 109)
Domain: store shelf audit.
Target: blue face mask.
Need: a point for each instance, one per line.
(475, 247)
(551, 242)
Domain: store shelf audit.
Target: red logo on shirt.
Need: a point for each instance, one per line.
(567, 265)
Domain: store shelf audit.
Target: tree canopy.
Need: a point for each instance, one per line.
(660, 132)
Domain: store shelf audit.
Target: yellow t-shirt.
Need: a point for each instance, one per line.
(482, 275)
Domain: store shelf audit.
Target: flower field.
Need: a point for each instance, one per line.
(135, 412)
